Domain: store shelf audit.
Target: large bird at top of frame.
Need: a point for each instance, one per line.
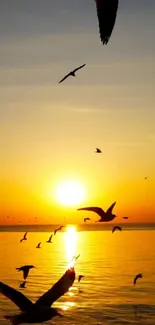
(41, 310)
(104, 216)
(106, 12)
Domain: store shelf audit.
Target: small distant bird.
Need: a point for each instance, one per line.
(25, 269)
(116, 228)
(106, 12)
(138, 276)
(85, 219)
(38, 246)
(24, 237)
(80, 277)
(72, 73)
(125, 217)
(105, 216)
(97, 150)
(22, 285)
(57, 229)
(146, 177)
(40, 311)
(49, 240)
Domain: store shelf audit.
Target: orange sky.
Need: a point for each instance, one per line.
(49, 131)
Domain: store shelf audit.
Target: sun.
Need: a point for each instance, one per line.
(70, 193)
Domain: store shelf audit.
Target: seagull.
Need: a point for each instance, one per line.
(125, 217)
(24, 237)
(80, 277)
(41, 310)
(22, 285)
(25, 270)
(75, 257)
(85, 219)
(38, 246)
(106, 12)
(57, 229)
(49, 240)
(138, 276)
(71, 73)
(116, 228)
(105, 216)
(146, 177)
(97, 150)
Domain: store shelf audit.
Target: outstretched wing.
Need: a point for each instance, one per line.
(58, 290)
(16, 297)
(81, 66)
(25, 273)
(67, 75)
(109, 211)
(97, 210)
(106, 12)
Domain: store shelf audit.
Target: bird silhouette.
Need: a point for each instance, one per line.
(125, 217)
(71, 73)
(80, 277)
(105, 216)
(97, 150)
(24, 237)
(85, 219)
(106, 12)
(146, 177)
(116, 228)
(41, 310)
(49, 240)
(138, 276)
(22, 285)
(75, 257)
(57, 229)
(38, 246)
(25, 269)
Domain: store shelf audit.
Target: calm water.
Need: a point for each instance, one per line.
(109, 263)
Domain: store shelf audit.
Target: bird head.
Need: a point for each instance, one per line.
(32, 267)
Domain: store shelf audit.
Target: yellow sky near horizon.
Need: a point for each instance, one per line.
(49, 131)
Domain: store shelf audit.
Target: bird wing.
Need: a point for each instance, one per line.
(106, 12)
(25, 273)
(50, 237)
(81, 66)
(22, 302)
(109, 211)
(58, 290)
(25, 235)
(135, 279)
(65, 77)
(97, 210)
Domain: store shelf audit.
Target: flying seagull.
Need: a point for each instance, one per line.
(116, 228)
(97, 150)
(138, 276)
(49, 240)
(25, 269)
(85, 219)
(38, 246)
(22, 285)
(125, 217)
(57, 229)
(41, 310)
(24, 237)
(80, 277)
(71, 73)
(106, 12)
(105, 216)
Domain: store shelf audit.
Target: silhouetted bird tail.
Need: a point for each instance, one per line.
(13, 319)
(18, 269)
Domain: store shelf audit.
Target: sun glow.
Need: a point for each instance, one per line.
(71, 237)
(70, 193)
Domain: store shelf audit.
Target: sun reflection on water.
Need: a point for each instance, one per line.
(71, 237)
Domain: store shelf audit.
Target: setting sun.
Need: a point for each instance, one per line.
(70, 193)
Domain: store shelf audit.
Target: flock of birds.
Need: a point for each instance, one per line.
(41, 310)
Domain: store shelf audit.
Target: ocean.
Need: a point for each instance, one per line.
(109, 263)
